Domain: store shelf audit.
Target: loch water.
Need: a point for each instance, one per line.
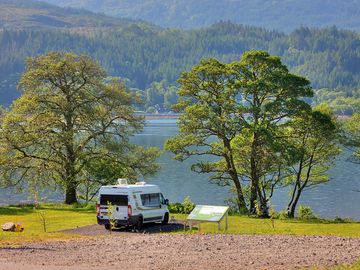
(337, 198)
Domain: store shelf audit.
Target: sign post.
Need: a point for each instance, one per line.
(209, 213)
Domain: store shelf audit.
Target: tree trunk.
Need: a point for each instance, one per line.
(254, 175)
(70, 193)
(233, 174)
(294, 204)
(263, 202)
(288, 209)
(240, 198)
(300, 186)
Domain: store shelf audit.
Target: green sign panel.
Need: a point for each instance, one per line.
(208, 213)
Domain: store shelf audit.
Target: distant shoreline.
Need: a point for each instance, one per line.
(152, 116)
(161, 116)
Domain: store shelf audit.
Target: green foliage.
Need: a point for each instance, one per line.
(79, 217)
(282, 215)
(147, 55)
(235, 112)
(305, 212)
(342, 102)
(182, 208)
(43, 219)
(253, 225)
(58, 217)
(111, 216)
(176, 208)
(315, 146)
(351, 135)
(188, 205)
(70, 125)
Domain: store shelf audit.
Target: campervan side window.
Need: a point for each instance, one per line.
(152, 199)
(119, 200)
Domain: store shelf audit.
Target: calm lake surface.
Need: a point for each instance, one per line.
(335, 198)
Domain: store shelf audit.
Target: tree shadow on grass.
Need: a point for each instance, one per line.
(16, 210)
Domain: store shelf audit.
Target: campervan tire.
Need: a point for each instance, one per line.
(139, 223)
(166, 219)
(107, 226)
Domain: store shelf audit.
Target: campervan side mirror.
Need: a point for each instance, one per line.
(166, 201)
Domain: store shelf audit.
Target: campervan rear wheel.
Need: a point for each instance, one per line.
(139, 223)
(166, 219)
(107, 226)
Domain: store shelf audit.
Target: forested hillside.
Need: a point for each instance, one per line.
(282, 15)
(144, 54)
(151, 58)
(33, 14)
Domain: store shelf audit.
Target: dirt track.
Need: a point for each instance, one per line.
(126, 250)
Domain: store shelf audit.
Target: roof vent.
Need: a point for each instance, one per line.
(122, 182)
(140, 183)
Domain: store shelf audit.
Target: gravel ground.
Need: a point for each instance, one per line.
(142, 250)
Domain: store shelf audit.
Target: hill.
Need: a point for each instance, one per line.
(21, 14)
(151, 58)
(283, 15)
(144, 55)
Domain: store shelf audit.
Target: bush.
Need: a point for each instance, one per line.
(188, 205)
(282, 215)
(305, 212)
(182, 208)
(176, 208)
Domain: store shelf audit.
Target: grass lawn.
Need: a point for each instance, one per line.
(60, 217)
(248, 225)
(355, 266)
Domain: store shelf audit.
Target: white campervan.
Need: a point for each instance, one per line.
(132, 205)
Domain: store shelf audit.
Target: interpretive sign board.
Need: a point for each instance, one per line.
(209, 213)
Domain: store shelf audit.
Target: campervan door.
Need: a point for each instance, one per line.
(119, 201)
(153, 210)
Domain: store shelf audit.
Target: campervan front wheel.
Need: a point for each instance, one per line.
(166, 219)
(107, 226)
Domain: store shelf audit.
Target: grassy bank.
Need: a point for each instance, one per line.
(60, 217)
(248, 225)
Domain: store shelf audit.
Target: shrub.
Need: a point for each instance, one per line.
(188, 205)
(305, 212)
(176, 208)
(182, 208)
(282, 215)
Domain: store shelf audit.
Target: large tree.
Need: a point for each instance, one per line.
(270, 97)
(68, 117)
(252, 98)
(314, 138)
(209, 123)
